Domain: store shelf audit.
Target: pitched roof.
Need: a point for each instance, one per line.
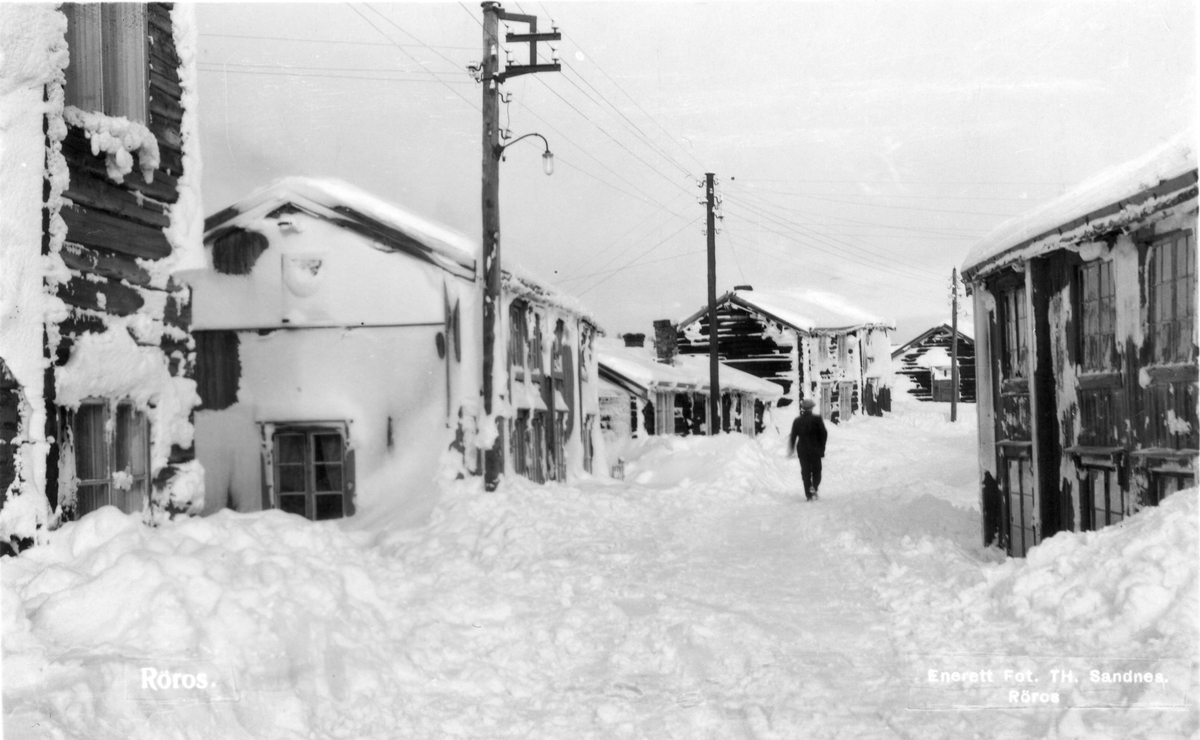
(638, 366)
(806, 310)
(1102, 203)
(926, 335)
(355, 209)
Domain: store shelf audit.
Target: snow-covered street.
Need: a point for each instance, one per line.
(701, 597)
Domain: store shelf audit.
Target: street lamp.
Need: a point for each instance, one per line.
(547, 156)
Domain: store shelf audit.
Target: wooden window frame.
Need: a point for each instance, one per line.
(1014, 333)
(518, 329)
(1097, 306)
(109, 67)
(310, 494)
(1089, 511)
(119, 448)
(1167, 325)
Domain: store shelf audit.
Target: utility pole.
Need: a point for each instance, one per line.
(714, 375)
(954, 344)
(492, 77)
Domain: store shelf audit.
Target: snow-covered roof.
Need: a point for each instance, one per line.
(807, 310)
(639, 366)
(1102, 203)
(350, 206)
(521, 282)
(964, 330)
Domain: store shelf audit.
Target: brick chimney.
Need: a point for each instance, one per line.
(634, 340)
(664, 341)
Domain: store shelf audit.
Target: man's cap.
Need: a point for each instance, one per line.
(808, 403)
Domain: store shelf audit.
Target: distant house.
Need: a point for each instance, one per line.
(1085, 321)
(926, 361)
(337, 343)
(99, 180)
(553, 381)
(812, 344)
(643, 395)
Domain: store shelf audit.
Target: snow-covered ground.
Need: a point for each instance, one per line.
(699, 598)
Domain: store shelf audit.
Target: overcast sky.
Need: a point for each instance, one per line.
(861, 147)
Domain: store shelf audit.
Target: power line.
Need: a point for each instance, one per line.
(606, 133)
(301, 67)
(325, 41)
(816, 267)
(406, 52)
(626, 94)
(943, 230)
(784, 222)
(799, 238)
(614, 242)
(265, 73)
(635, 264)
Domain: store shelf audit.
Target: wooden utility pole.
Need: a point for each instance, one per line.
(954, 344)
(714, 375)
(492, 77)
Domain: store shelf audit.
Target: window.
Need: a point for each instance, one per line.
(107, 70)
(1098, 309)
(1018, 491)
(1172, 282)
(1016, 334)
(1164, 483)
(589, 425)
(112, 457)
(311, 476)
(535, 348)
(1101, 501)
(519, 443)
(517, 329)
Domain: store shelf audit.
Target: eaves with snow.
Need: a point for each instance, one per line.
(810, 311)
(638, 366)
(1100, 205)
(384, 224)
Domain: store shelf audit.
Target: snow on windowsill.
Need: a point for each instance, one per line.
(118, 137)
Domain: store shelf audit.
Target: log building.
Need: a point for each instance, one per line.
(1085, 326)
(105, 418)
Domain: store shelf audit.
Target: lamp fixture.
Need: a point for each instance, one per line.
(547, 156)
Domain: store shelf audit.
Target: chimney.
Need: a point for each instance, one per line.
(743, 287)
(664, 341)
(634, 340)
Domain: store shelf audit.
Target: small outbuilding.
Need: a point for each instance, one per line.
(644, 393)
(927, 361)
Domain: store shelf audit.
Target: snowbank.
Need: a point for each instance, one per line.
(696, 599)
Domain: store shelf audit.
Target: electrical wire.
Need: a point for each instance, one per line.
(410, 56)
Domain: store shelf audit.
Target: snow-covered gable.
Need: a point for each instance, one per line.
(811, 311)
(350, 207)
(1102, 203)
(324, 253)
(689, 372)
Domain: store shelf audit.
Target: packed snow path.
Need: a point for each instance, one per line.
(702, 597)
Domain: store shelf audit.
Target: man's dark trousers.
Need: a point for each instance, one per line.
(810, 472)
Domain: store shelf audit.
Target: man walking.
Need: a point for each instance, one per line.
(807, 440)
